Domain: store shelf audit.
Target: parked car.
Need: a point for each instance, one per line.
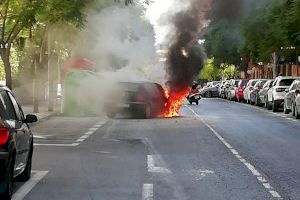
(140, 99)
(16, 143)
(254, 99)
(290, 97)
(222, 89)
(230, 92)
(211, 89)
(248, 89)
(263, 93)
(296, 105)
(277, 92)
(239, 92)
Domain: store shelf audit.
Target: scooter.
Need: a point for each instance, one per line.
(194, 98)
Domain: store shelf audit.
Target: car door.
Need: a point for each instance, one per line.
(15, 126)
(270, 91)
(23, 128)
(288, 96)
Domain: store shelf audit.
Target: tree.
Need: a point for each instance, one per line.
(16, 15)
(210, 72)
(222, 41)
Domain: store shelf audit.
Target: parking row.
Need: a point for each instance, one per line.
(279, 94)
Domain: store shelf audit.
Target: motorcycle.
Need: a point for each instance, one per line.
(194, 98)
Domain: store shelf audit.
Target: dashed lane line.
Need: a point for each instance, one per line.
(81, 139)
(261, 179)
(147, 193)
(36, 177)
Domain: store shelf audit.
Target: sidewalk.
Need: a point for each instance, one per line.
(43, 111)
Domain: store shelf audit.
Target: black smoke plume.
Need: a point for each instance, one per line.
(185, 58)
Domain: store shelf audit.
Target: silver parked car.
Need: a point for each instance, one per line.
(233, 85)
(290, 96)
(263, 93)
(296, 105)
(277, 92)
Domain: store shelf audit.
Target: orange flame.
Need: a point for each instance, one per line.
(175, 102)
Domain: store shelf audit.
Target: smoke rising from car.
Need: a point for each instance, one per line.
(185, 57)
(120, 41)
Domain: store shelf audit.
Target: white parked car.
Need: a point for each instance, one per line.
(277, 92)
(233, 85)
(296, 105)
(248, 89)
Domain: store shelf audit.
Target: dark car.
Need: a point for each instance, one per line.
(16, 143)
(290, 96)
(141, 99)
(254, 94)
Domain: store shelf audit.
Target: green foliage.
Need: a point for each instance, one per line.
(267, 29)
(210, 72)
(222, 42)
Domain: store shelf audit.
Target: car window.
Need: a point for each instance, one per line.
(286, 82)
(8, 106)
(253, 83)
(16, 106)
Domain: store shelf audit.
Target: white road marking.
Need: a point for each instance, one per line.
(29, 185)
(56, 145)
(253, 170)
(147, 193)
(153, 165)
(90, 132)
(85, 136)
(39, 137)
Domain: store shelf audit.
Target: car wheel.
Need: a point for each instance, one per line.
(274, 106)
(8, 181)
(285, 110)
(293, 109)
(297, 114)
(197, 102)
(269, 106)
(26, 174)
(145, 113)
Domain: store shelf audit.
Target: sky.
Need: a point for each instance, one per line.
(154, 12)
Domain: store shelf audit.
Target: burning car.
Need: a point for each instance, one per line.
(140, 99)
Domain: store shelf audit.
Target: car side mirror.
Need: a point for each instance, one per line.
(31, 118)
(297, 92)
(286, 90)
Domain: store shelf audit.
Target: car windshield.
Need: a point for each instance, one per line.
(286, 82)
(243, 83)
(253, 83)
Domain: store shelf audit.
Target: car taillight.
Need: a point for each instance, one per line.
(280, 89)
(140, 96)
(240, 90)
(4, 134)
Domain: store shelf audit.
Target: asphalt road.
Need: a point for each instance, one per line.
(218, 150)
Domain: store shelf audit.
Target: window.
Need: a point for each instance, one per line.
(16, 106)
(8, 106)
(286, 82)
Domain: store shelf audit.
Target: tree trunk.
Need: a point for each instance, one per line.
(36, 88)
(50, 75)
(5, 54)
